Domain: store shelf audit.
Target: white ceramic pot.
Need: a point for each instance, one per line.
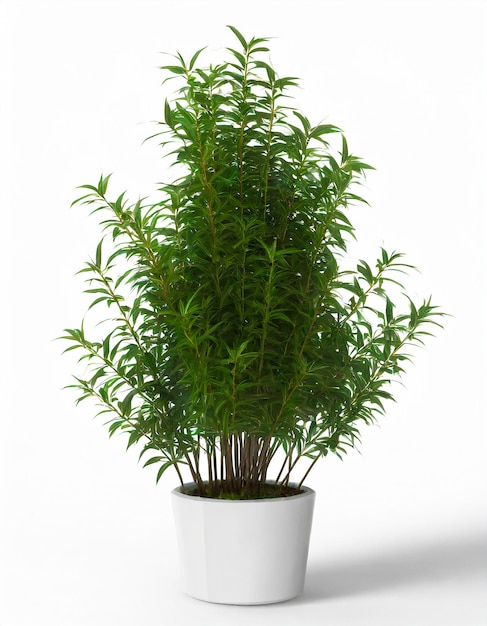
(243, 551)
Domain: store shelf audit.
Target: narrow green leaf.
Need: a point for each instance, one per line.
(162, 469)
(389, 310)
(174, 69)
(323, 129)
(126, 405)
(239, 36)
(152, 460)
(168, 114)
(98, 254)
(133, 438)
(103, 184)
(344, 150)
(195, 57)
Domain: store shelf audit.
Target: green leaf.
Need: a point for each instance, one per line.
(174, 69)
(114, 426)
(154, 459)
(133, 438)
(323, 129)
(98, 254)
(162, 469)
(239, 56)
(106, 346)
(168, 114)
(195, 57)
(345, 154)
(364, 268)
(304, 120)
(103, 184)
(126, 405)
(413, 315)
(389, 310)
(239, 36)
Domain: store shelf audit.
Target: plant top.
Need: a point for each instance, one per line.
(235, 337)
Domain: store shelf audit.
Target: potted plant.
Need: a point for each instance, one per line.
(241, 345)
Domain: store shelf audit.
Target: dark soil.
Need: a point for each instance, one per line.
(221, 491)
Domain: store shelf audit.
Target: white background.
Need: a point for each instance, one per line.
(399, 529)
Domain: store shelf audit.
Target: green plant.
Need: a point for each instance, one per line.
(236, 339)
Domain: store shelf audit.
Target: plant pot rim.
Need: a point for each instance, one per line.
(306, 492)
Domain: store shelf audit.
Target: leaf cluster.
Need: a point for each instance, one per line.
(233, 329)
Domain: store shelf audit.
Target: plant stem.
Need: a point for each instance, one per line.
(308, 471)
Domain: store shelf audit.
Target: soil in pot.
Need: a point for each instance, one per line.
(221, 491)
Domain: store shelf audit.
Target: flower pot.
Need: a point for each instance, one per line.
(243, 551)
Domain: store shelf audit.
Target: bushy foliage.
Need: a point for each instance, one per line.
(234, 331)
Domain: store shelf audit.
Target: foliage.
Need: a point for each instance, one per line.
(234, 332)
